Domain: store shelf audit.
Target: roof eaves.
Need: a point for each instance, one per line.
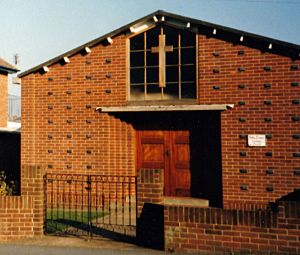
(88, 44)
(7, 67)
(231, 30)
(289, 47)
(9, 70)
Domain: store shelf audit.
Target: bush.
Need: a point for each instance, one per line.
(6, 187)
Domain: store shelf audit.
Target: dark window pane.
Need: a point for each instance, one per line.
(187, 38)
(152, 75)
(188, 68)
(152, 37)
(137, 42)
(188, 56)
(171, 36)
(137, 58)
(137, 92)
(172, 57)
(171, 92)
(172, 74)
(188, 73)
(152, 59)
(188, 90)
(153, 92)
(137, 75)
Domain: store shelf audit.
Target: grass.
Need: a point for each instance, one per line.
(61, 221)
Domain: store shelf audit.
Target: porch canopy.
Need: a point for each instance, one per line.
(165, 108)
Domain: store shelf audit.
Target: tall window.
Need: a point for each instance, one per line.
(163, 65)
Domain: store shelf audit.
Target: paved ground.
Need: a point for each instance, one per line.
(71, 246)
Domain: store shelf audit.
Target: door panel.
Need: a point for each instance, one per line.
(168, 150)
(153, 155)
(150, 149)
(181, 163)
(181, 156)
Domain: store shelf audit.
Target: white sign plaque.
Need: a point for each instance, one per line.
(257, 140)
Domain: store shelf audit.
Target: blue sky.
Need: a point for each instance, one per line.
(41, 29)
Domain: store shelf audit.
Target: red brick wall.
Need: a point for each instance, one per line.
(259, 109)
(22, 216)
(62, 129)
(3, 99)
(150, 187)
(191, 229)
(215, 230)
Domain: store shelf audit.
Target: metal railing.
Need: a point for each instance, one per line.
(88, 203)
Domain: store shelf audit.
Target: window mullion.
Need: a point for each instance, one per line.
(162, 89)
(145, 66)
(179, 66)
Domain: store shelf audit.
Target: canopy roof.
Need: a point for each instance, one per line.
(165, 108)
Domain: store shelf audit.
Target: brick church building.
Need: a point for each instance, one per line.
(207, 118)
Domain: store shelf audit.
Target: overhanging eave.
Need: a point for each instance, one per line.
(165, 108)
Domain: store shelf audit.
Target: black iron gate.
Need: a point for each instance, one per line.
(90, 204)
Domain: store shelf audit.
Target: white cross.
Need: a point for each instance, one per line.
(161, 50)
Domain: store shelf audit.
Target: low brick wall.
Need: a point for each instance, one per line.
(191, 229)
(150, 187)
(215, 230)
(22, 216)
(150, 212)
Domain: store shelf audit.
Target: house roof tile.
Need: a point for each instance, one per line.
(6, 67)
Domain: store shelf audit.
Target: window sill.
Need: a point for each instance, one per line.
(164, 102)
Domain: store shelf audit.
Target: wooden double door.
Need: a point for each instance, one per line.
(168, 150)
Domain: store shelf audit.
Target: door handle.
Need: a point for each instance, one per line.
(167, 153)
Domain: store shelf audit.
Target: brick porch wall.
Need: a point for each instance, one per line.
(150, 212)
(150, 187)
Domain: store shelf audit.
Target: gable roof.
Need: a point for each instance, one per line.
(6, 67)
(209, 29)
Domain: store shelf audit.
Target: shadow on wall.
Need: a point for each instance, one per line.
(293, 196)
(150, 227)
(10, 158)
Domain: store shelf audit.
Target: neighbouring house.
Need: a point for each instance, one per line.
(9, 131)
(206, 116)
(5, 70)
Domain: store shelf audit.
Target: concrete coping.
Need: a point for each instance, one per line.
(186, 201)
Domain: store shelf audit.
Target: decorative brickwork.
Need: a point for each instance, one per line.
(267, 78)
(73, 91)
